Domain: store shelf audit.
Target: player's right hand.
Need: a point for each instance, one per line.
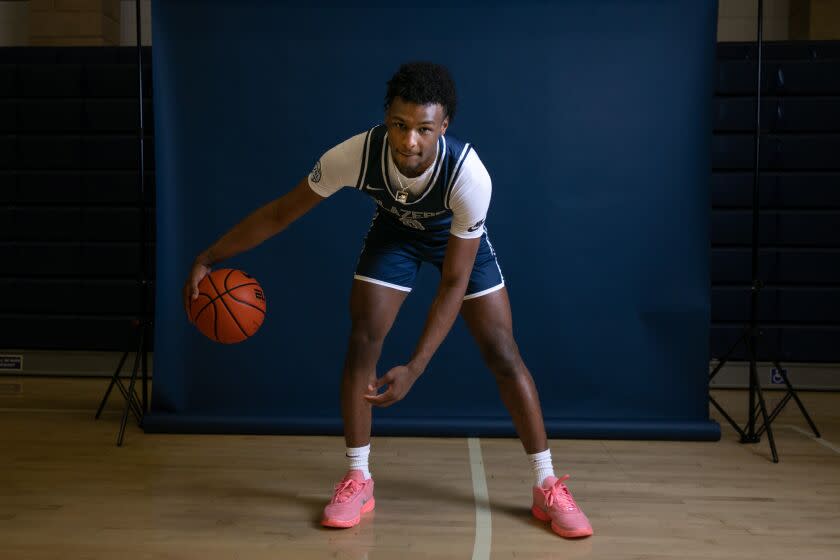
(197, 273)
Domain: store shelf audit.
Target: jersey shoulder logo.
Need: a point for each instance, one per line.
(476, 226)
(315, 176)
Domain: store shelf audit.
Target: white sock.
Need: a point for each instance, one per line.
(357, 459)
(541, 464)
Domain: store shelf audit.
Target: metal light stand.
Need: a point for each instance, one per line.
(751, 334)
(143, 323)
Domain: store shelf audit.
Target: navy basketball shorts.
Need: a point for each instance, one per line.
(392, 255)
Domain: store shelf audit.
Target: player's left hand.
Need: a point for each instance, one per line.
(399, 381)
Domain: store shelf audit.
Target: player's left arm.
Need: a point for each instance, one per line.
(455, 276)
(457, 267)
(469, 202)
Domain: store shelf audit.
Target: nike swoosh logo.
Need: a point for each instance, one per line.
(369, 188)
(476, 226)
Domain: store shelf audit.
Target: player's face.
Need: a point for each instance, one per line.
(413, 133)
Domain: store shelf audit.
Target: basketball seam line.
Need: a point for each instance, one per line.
(233, 297)
(224, 282)
(229, 290)
(216, 324)
(206, 305)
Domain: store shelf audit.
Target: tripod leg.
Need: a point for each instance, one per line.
(763, 406)
(135, 405)
(776, 411)
(792, 393)
(114, 379)
(712, 375)
(725, 415)
(749, 430)
(726, 357)
(130, 399)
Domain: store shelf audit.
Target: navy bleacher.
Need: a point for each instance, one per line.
(69, 220)
(799, 236)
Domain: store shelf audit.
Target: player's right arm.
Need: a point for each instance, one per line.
(265, 222)
(337, 168)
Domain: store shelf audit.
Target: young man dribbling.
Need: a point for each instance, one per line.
(432, 194)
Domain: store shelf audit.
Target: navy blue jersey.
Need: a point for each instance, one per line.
(453, 195)
(430, 211)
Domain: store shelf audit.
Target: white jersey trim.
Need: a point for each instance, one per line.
(493, 252)
(381, 283)
(495, 288)
(365, 159)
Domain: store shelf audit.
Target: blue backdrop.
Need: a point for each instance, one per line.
(593, 119)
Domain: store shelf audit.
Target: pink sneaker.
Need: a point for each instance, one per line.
(352, 497)
(554, 502)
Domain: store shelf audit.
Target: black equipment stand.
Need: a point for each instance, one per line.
(143, 323)
(751, 334)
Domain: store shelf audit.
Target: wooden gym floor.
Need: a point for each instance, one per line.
(68, 493)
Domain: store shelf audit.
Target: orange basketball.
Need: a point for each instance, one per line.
(230, 306)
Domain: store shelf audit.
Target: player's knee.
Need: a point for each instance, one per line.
(501, 355)
(367, 335)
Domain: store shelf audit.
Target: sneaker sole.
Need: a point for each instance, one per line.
(346, 524)
(573, 534)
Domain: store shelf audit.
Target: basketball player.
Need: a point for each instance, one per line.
(432, 193)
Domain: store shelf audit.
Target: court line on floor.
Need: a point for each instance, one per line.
(483, 526)
(809, 435)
